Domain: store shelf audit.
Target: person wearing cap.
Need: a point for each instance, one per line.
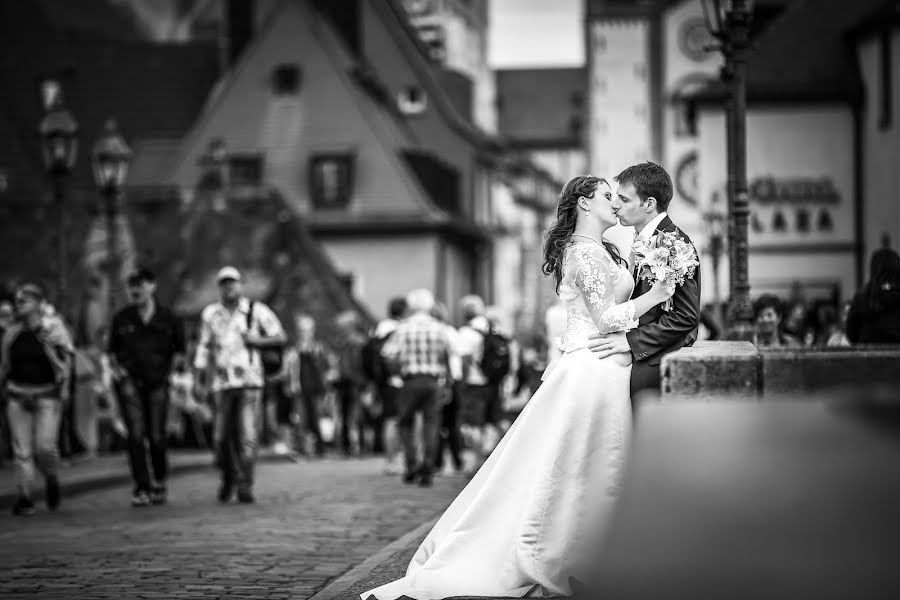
(146, 342)
(229, 364)
(35, 363)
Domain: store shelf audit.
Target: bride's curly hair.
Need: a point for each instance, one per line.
(560, 232)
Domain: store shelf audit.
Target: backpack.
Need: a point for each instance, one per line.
(373, 363)
(495, 361)
(272, 357)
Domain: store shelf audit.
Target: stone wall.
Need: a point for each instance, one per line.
(738, 371)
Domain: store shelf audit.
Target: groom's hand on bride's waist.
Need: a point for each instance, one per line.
(606, 345)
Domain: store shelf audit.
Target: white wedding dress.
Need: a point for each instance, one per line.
(527, 520)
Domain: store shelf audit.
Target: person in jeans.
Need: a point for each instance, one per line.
(424, 355)
(35, 364)
(388, 386)
(145, 343)
(232, 332)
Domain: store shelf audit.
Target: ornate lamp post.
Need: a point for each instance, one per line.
(59, 147)
(715, 220)
(110, 159)
(729, 22)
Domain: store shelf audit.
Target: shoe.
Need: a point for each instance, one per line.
(246, 497)
(410, 475)
(140, 499)
(159, 494)
(280, 449)
(23, 507)
(225, 492)
(426, 480)
(52, 493)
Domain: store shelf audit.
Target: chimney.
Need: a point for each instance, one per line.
(239, 18)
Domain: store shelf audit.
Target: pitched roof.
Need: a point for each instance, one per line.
(541, 106)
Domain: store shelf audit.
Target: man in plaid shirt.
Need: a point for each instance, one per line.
(425, 356)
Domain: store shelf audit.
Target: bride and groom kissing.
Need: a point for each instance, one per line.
(531, 519)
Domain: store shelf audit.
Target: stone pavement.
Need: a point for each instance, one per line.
(102, 471)
(313, 521)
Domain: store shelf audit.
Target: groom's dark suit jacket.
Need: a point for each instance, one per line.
(660, 332)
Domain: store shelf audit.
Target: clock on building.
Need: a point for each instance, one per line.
(694, 39)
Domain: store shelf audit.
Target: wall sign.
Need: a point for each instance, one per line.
(815, 191)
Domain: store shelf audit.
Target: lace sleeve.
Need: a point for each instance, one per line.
(594, 279)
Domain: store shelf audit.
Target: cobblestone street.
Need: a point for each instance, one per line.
(312, 522)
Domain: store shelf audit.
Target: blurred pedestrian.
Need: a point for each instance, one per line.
(146, 343)
(481, 401)
(36, 358)
(767, 313)
(795, 323)
(422, 353)
(306, 363)
(449, 437)
(874, 316)
(387, 384)
(838, 338)
(349, 382)
(232, 332)
(7, 318)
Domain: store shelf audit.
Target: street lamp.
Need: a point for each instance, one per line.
(729, 22)
(110, 159)
(714, 218)
(59, 148)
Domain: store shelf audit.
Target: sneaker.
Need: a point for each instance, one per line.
(140, 499)
(280, 449)
(158, 494)
(410, 475)
(23, 507)
(225, 492)
(426, 480)
(246, 497)
(52, 493)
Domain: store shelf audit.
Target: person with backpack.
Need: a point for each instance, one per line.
(486, 361)
(233, 335)
(387, 385)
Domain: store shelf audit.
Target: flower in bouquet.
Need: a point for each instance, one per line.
(665, 256)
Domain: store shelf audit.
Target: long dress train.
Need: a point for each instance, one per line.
(527, 520)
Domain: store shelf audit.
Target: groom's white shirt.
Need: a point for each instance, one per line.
(650, 227)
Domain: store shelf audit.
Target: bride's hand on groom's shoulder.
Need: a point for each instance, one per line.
(606, 345)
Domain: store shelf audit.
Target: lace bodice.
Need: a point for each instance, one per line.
(596, 291)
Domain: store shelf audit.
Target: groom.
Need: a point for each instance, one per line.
(641, 202)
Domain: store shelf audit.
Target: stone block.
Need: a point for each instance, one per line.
(710, 371)
(869, 373)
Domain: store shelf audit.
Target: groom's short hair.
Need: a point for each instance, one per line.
(649, 179)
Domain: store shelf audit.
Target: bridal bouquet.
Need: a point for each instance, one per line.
(666, 256)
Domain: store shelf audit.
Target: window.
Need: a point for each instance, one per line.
(331, 180)
(245, 169)
(286, 80)
(778, 222)
(886, 75)
(412, 100)
(825, 222)
(802, 220)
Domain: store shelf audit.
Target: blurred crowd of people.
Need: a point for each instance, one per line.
(239, 380)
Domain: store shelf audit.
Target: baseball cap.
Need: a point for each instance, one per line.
(228, 273)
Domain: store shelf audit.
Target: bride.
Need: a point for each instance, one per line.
(526, 522)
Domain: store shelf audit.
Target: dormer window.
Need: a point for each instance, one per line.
(331, 180)
(286, 80)
(412, 100)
